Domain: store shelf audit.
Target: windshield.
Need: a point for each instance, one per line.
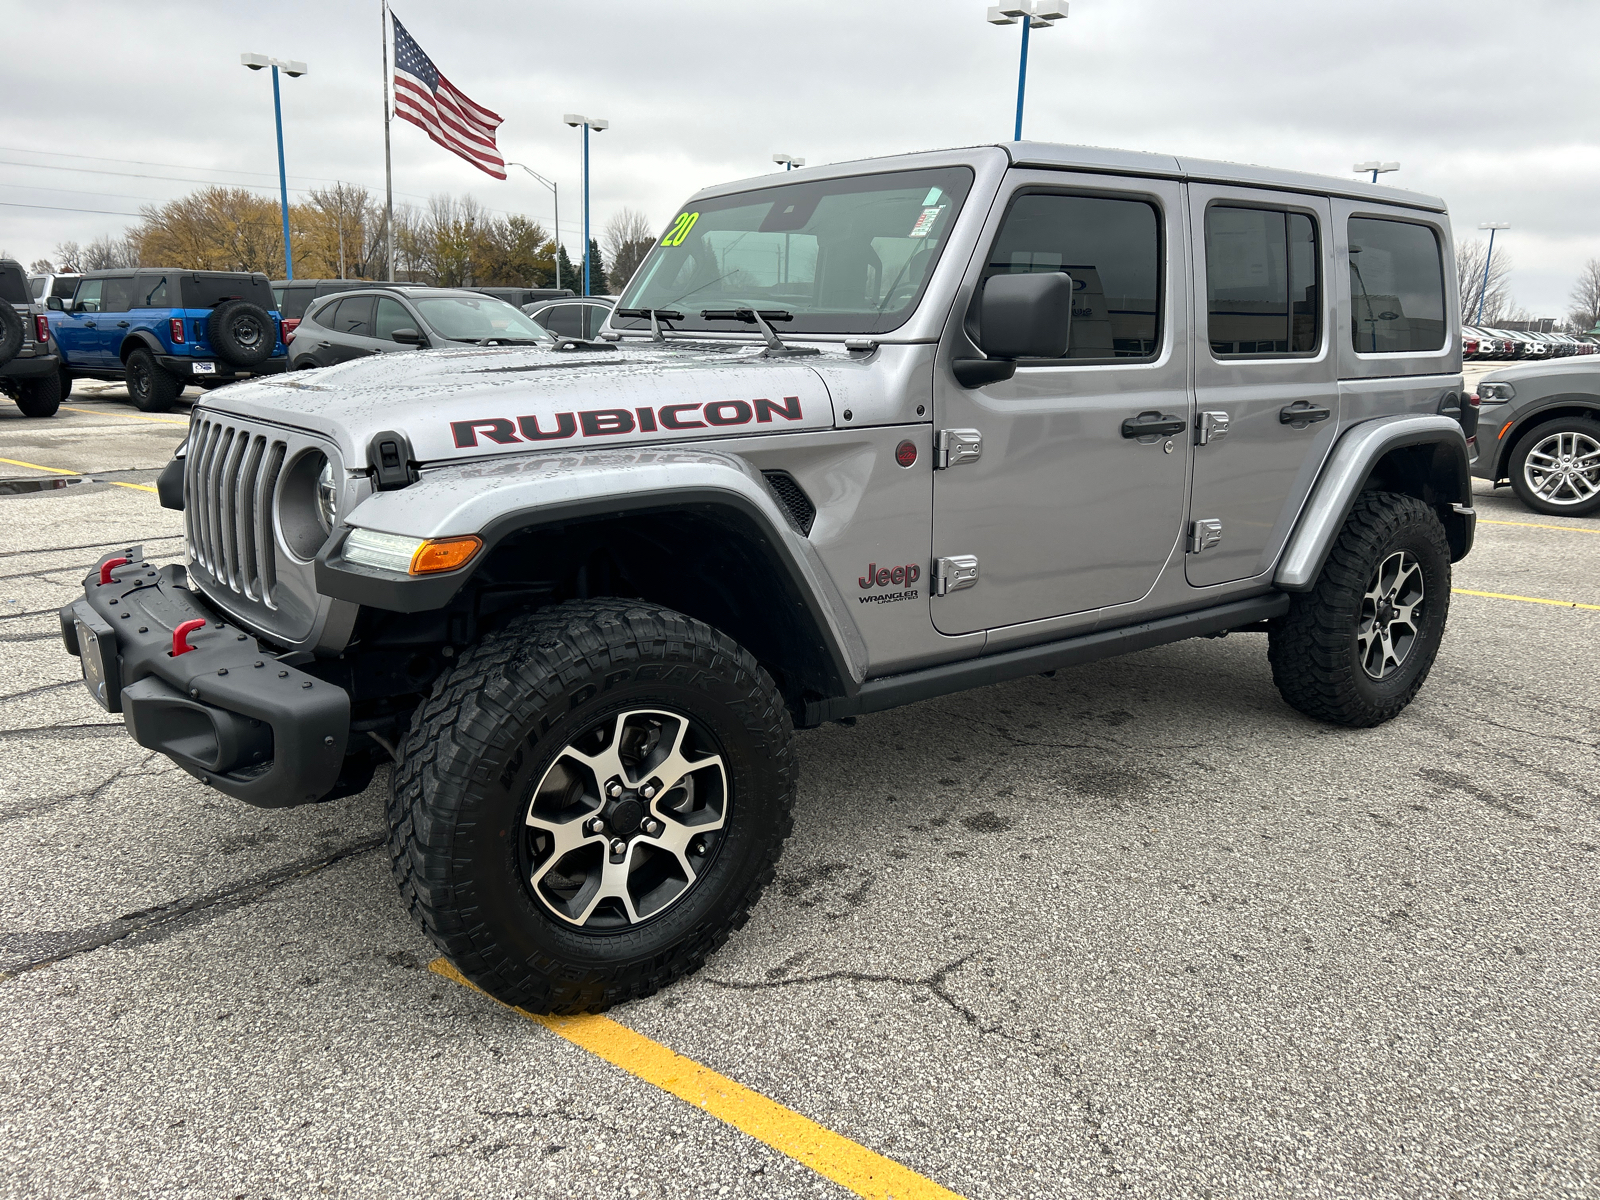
(841, 255)
(473, 319)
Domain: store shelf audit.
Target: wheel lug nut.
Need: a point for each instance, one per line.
(595, 825)
(652, 827)
(614, 790)
(648, 791)
(618, 847)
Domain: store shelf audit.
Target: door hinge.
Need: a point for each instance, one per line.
(954, 573)
(953, 446)
(1211, 427)
(1204, 534)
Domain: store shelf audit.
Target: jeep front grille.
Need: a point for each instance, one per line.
(231, 478)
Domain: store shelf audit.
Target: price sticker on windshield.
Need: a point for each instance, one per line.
(680, 229)
(925, 221)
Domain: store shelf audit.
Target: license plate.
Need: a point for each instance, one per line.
(202, 368)
(94, 667)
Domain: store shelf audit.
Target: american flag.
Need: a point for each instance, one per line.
(431, 102)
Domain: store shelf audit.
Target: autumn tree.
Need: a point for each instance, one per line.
(628, 238)
(212, 229)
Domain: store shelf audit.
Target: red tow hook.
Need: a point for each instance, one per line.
(180, 636)
(105, 568)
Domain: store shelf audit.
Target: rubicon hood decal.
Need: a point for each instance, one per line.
(456, 405)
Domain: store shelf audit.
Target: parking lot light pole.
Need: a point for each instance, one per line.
(597, 124)
(789, 161)
(294, 70)
(1377, 168)
(1034, 14)
(554, 191)
(1483, 293)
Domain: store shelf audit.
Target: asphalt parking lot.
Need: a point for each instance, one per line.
(1138, 929)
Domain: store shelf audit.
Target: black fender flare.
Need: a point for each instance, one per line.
(137, 339)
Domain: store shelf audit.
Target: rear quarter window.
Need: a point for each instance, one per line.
(13, 285)
(208, 291)
(1396, 287)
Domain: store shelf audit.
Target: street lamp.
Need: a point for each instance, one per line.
(596, 124)
(1483, 293)
(1034, 14)
(294, 70)
(554, 191)
(789, 161)
(1377, 168)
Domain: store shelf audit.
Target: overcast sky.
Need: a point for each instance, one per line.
(1493, 106)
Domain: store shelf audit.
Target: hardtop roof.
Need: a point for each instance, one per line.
(1102, 160)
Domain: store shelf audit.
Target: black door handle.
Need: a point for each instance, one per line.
(1301, 413)
(1153, 424)
(90, 325)
(122, 324)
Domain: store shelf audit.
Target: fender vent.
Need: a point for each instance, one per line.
(792, 499)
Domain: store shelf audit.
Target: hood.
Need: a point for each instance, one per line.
(476, 402)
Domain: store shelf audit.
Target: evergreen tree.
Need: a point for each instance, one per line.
(597, 271)
(571, 275)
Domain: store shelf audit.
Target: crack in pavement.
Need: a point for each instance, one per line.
(42, 804)
(53, 635)
(67, 733)
(173, 537)
(934, 983)
(151, 924)
(39, 691)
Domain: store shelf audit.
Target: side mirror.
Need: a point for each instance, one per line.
(53, 303)
(1019, 316)
(408, 337)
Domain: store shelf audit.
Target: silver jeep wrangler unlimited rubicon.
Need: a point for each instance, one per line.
(855, 436)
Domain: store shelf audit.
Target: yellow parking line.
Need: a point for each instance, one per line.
(830, 1155)
(1531, 525)
(142, 487)
(1526, 599)
(99, 412)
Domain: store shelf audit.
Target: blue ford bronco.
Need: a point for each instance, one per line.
(161, 329)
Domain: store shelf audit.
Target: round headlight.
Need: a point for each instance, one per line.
(327, 497)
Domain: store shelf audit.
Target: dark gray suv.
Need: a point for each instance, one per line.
(378, 320)
(1539, 431)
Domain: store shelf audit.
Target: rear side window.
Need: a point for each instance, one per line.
(118, 295)
(151, 291)
(208, 291)
(563, 320)
(1263, 294)
(1396, 287)
(13, 286)
(293, 301)
(1112, 250)
(355, 317)
(36, 286)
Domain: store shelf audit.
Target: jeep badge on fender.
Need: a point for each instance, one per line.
(567, 600)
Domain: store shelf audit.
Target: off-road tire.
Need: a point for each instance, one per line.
(151, 387)
(483, 740)
(12, 332)
(1313, 650)
(1584, 426)
(66, 383)
(242, 333)
(39, 397)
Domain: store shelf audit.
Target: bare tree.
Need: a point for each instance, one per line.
(1585, 313)
(41, 266)
(107, 252)
(1496, 301)
(70, 257)
(628, 238)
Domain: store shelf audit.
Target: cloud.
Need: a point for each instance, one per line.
(1491, 110)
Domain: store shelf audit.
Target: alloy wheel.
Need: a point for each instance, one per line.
(1391, 615)
(1563, 468)
(626, 820)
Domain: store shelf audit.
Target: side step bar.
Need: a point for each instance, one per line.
(892, 691)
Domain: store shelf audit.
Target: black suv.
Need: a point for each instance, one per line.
(30, 367)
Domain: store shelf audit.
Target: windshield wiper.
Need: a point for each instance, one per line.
(665, 314)
(775, 347)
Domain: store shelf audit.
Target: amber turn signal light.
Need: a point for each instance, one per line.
(444, 554)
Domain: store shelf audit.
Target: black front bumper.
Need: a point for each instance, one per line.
(227, 711)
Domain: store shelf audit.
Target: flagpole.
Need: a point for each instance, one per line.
(388, 167)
